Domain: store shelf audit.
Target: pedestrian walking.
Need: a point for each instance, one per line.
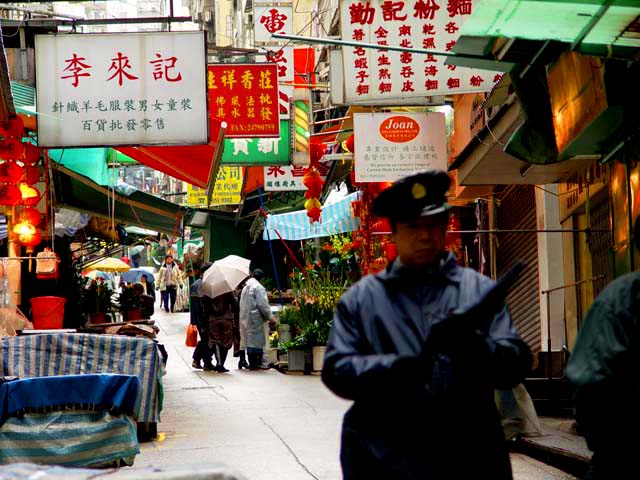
(170, 279)
(220, 312)
(424, 394)
(254, 313)
(604, 369)
(202, 354)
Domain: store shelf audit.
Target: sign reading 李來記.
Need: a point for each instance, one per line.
(382, 75)
(245, 95)
(121, 89)
(390, 146)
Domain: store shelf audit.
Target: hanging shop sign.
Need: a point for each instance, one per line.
(124, 89)
(573, 193)
(289, 177)
(283, 57)
(379, 75)
(245, 96)
(270, 19)
(227, 190)
(390, 146)
(259, 151)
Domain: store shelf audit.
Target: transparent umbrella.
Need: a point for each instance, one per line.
(224, 276)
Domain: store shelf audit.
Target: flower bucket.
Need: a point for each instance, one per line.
(284, 333)
(296, 360)
(318, 358)
(97, 318)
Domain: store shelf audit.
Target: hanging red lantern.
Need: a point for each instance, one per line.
(11, 148)
(350, 143)
(31, 174)
(14, 128)
(10, 172)
(24, 228)
(30, 241)
(31, 154)
(316, 152)
(31, 215)
(10, 195)
(30, 195)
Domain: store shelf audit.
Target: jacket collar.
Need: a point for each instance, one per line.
(447, 269)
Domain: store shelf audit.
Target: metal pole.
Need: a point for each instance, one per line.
(549, 353)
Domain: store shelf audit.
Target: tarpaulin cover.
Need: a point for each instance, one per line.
(90, 162)
(336, 218)
(52, 354)
(119, 392)
(192, 164)
(78, 438)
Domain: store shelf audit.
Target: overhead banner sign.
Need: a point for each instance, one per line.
(289, 177)
(227, 190)
(245, 96)
(380, 75)
(124, 89)
(259, 151)
(283, 57)
(391, 146)
(270, 19)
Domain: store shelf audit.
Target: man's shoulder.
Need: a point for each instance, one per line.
(363, 288)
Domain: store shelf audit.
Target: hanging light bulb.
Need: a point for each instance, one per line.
(24, 228)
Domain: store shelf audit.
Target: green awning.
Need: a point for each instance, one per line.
(89, 162)
(77, 192)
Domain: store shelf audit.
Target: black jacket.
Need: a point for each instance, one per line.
(376, 357)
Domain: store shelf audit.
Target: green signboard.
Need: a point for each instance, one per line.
(251, 152)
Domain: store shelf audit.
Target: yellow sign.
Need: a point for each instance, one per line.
(227, 190)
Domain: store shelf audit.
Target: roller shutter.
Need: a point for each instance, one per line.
(517, 211)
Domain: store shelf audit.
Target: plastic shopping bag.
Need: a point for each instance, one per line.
(192, 336)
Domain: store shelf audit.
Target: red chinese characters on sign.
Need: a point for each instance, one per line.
(362, 13)
(246, 97)
(119, 66)
(426, 9)
(273, 20)
(163, 68)
(459, 7)
(76, 68)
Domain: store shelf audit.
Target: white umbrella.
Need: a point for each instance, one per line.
(224, 276)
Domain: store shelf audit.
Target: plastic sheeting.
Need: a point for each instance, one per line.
(336, 218)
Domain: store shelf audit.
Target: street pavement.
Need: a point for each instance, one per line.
(264, 424)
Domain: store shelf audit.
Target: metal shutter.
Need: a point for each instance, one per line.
(518, 212)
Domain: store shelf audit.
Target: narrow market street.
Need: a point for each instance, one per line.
(264, 424)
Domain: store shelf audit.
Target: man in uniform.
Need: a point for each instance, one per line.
(603, 368)
(424, 399)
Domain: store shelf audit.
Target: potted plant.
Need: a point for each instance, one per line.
(287, 320)
(96, 302)
(130, 304)
(295, 350)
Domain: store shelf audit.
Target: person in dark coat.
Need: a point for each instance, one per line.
(383, 354)
(220, 312)
(604, 369)
(202, 353)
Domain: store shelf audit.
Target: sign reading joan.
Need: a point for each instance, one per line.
(391, 146)
(382, 75)
(124, 89)
(246, 97)
(227, 190)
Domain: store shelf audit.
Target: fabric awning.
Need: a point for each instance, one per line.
(192, 164)
(79, 193)
(336, 218)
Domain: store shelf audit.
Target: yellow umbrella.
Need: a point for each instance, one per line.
(109, 265)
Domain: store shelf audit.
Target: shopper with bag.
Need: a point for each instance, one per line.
(170, 279)
(219, 312)
(201, 324)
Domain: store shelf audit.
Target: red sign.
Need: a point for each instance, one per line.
(245, 96)
(399, 129)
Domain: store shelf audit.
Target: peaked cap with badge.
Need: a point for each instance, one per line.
(419, 195)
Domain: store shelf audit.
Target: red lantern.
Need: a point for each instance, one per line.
(11, 148)
(351, 143)
(30, 195)
(31, 154)
(10, 172)
(10, 195)
(31, 215)
(31, 175)
(13, 128)
(316, 152)
(30, 241)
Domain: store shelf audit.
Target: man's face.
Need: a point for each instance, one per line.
(169, 260)
(421, 241)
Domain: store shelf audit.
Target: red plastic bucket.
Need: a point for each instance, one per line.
(48, 312)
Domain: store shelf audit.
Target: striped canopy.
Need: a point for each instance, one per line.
(336, 218)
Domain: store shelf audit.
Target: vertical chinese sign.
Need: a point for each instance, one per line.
(245, 96)
(227, 190)
(375, 75)
(129, 89)
(392, 146)
(270, 19)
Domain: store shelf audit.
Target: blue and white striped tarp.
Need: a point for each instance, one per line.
(71, 438)
(76, 354)
(336, 218)
(4, 232)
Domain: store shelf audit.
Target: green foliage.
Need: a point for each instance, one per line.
(96, 298)
(128, 299)
(289, 316)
